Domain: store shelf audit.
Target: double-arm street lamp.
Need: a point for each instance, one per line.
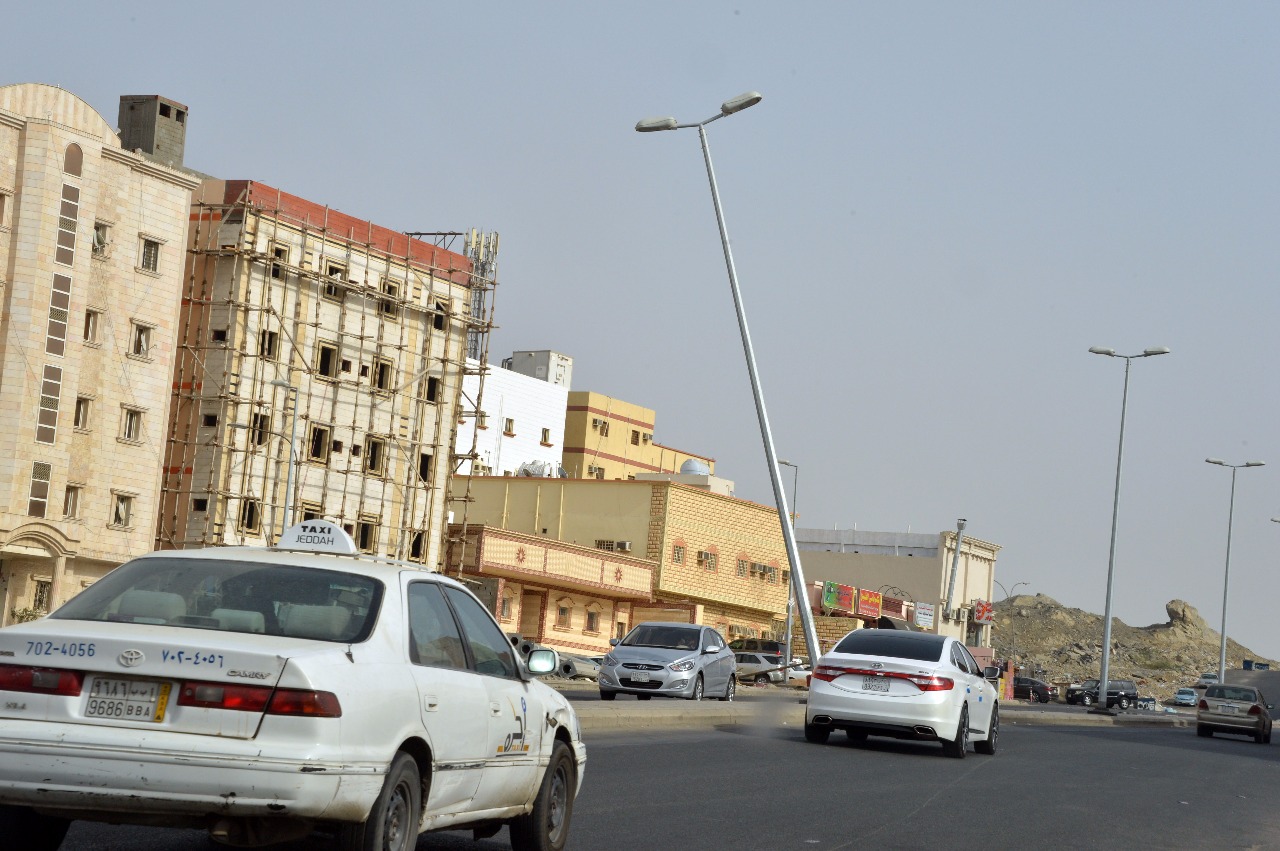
(1226, 573)
(1105, 674)
(1013, 626)
(729, 107)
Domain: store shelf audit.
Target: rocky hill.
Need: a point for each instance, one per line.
(1056, 643)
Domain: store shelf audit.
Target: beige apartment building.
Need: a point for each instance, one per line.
(607, 438)
(319, 370)
(570, 557)
(92, 239)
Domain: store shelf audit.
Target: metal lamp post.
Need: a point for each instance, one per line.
(1013, 626)
(1226, 573)
(791, 596)
(292, 459)
(729, 107)
(1105, 674)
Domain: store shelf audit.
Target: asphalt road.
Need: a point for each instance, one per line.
(763, 788)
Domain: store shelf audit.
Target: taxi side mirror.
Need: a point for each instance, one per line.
(991, 672)
(543, 661)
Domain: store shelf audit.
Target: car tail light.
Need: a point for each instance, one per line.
(40, 680)
(924, 682)
(316, 704)
(1204, 704)
(1255, 710)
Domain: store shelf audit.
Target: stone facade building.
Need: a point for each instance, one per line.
(92, 242)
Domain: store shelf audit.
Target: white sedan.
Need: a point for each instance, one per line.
(908, 685)
(265, 693)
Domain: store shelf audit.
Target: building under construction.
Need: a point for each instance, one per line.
(318, 373)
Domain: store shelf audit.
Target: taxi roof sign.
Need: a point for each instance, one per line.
(317, 536)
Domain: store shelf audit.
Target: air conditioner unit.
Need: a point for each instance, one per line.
(624, 546)
(595, 422)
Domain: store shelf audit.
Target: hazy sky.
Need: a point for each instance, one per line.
(936, 210)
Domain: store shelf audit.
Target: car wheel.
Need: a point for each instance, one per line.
(988, 746)
(32, 830)
(957, 746)
(697, 689)
(816, 734)
(1044, 698)
(546, 827)
(643, 696)
(1124, 703)
(607, 695)
(1203, 731)
(1086, 699)
(762, 679)
(393, 822)
(730, 690)
(1257, 737)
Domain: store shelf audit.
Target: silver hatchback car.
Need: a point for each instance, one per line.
(669, 660)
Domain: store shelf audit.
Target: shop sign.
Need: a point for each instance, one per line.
(838, 597)
(868, 603)
(924, 615)
(983, 612)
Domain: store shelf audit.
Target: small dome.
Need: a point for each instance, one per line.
(694, 467)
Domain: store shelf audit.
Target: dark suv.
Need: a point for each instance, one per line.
(1026, 688)
(1121, 693)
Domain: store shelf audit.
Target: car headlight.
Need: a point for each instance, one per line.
(610, 661)
(682, 665)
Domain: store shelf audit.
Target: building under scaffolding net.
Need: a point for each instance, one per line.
(318, 373)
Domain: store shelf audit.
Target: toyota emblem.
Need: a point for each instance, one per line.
(131, 658)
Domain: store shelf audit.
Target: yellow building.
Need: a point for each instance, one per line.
(712, 558)
(607, 438)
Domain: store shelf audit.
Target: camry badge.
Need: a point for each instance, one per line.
(131, 658)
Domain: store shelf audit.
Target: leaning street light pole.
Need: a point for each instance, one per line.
(1226, 573)
(1105, 674)
(291, 395)
(791, 597)
(729, 107)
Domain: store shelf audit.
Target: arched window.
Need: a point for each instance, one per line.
(74, 159)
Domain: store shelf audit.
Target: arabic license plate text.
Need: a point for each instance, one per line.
(875, 684)
(639, 676)
(128, 700)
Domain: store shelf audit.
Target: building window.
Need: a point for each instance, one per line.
(593, 621)
(743, 566)
(335, 274)
(150, 255)
(437, 321)
(101, 239)
(433, 389)
(38, 502)
(40, 600)
(71, 502)
(4, 207)
(84, 406)
(677, 554)
(73, 160)
(68, 218)
(208, 421)
(279, 257)
(312, 511)
(217, 335)
(140, 340)
(417, 545)
(635, 438)
(59, 312)
(367, 535)
(375, 452)
(387, 305)
(50, 393)
(424, 467)
(259, 428)
(620, 629)
(607, 546)
(482, 419)
(269, 344)
(319, 444)
(250, 519)
(509, 427)
(383, 371)
(707, 560)
(121, 510)
(504, 608)
(131, 425)
(91, 318)
(327, 360)
(564, 615)
(546, 437)
(594, 472)
(200, 505)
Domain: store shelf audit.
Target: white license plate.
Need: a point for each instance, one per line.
(1228, 709)
(127, 700)
(639, 676)
(875, 684)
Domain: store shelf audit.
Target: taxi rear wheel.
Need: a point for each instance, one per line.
(393, 823)
(31, 830)
(546, 827)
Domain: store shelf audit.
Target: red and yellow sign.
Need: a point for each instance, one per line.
(869, 603)
(983, 612)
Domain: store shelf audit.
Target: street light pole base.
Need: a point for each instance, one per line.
(1103, 710)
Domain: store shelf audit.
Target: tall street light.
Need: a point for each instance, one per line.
(729, 107)
(291, 394)
(247, 427)
(1105, 674)
(1226, 573)
(791, 597)
(1013, 626)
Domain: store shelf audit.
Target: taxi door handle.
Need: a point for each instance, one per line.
(430, 703)
(495, 709)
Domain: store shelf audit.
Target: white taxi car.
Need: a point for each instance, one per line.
(263, 693)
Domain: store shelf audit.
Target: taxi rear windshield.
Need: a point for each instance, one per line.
(233, 596)
(886, 642)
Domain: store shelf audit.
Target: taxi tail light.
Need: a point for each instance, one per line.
(26, 678)
(1255, 710)
(315, 704)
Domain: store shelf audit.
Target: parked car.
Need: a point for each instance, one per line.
(907, 685)
(1208, 678)
(798, 676)
(759, 645)
(759, 669)
(266, 692)
(1185, 697)
(1121, 693)
(1241, 710)
(1027, 688)
(669, 660)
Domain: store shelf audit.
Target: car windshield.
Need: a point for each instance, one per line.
(888, 642)
(667, 637)
(1232, 693)
(232, 596)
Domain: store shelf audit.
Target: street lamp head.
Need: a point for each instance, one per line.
(1217, 461)
(737, 104)
(1157, 350)
(1255, 463)
(785, 463)
(280, 382)
(650, 125)
(1100, 350)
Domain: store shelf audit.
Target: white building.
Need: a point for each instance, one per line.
(519, 424)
